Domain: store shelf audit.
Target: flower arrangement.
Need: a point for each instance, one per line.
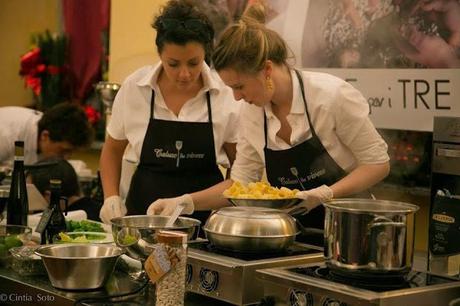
(44, 69)
(92, 114)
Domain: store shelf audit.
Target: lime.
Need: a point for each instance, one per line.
(12, 241)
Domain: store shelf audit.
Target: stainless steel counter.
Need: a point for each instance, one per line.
(37, 290)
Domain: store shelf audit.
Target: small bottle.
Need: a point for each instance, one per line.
(18, 204)
(56, 223)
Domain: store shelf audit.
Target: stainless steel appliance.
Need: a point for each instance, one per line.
(230, 276)
(444, 240)
(313, 284)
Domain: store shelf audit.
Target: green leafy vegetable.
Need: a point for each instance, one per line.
(84, 226)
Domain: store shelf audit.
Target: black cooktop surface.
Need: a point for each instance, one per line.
(294, 250)
(380, 283)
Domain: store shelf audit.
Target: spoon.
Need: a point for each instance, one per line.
(178, 148)
(176, 213)
(296, 174)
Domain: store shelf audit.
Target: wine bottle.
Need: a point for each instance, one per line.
(57, 221)
(18, 204)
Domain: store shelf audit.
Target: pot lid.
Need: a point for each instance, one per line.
(244, 212)
(370, 206)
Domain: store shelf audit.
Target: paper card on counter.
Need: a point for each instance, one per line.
(158, 263)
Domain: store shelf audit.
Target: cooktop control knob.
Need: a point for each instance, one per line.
(209, 279)
(300, 298)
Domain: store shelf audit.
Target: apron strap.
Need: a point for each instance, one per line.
(302, 89)
(208, 102)
(152, 104)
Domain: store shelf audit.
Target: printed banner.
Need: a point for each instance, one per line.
(390, 50)
(406, 99)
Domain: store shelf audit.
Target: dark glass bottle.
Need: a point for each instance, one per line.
(18, 204)
(56, 223)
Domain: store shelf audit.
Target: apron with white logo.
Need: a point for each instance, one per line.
(305, 166)
(176, 158)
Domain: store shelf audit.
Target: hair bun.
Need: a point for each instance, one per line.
(255, 12)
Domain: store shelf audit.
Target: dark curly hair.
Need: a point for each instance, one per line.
(67, 122)
(179, 23)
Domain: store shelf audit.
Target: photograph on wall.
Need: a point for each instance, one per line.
(370, 33)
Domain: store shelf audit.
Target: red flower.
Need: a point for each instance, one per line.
(35, 83)
(92, 114)
(30, 61)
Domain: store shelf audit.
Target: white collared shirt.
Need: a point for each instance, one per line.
(18, 123)
(131, 110)
(339, 114)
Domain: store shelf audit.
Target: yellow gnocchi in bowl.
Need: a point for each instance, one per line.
(261, 194)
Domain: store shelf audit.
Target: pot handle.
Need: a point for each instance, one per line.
(384, 221)
(308, 230)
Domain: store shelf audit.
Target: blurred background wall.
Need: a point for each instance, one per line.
(132, 40)
(18, 19)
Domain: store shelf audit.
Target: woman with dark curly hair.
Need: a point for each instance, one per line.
(177, 120)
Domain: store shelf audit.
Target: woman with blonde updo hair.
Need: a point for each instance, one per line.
(308, 130)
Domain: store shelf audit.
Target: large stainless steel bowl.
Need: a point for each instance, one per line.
(251, 229)
(266, 203)
(79, 266)
(137, 234)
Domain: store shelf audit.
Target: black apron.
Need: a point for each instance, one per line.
(313, 166)
(177, 157)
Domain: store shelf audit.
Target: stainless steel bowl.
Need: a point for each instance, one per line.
(79, 266)
(266, 203)
(137, 234)
(251, 229)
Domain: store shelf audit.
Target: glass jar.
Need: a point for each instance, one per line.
(170, 289)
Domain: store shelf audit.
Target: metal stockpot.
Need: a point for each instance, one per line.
(251, 229)
(364, 236)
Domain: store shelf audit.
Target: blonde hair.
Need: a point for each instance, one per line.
(246, 45)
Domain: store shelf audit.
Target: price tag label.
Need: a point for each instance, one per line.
(44, 220)
(158, 263)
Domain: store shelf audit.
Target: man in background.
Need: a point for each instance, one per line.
(58, 132)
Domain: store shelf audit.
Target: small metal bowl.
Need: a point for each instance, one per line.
(137, 234)
(266, 203)
(79, 266)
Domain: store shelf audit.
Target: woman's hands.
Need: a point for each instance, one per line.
(166, 207)
(311, 199)
(113, 208)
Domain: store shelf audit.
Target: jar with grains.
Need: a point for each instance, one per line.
(170, 289)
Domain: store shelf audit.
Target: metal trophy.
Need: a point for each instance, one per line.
(106, 92)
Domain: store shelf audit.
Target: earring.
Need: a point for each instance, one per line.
(269, 83)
